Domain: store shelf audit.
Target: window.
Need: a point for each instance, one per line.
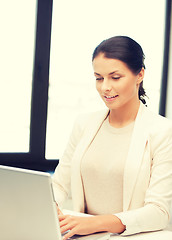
(16, 61)
(76, 31)
(25, 50)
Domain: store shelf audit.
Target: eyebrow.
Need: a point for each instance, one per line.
(108, 74)
(113, 72)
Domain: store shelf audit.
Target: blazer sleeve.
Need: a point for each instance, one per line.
(155, 213)
(61, 179)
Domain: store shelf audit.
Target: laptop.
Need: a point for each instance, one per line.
(28, 209)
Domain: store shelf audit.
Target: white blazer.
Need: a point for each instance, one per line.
(147, 185)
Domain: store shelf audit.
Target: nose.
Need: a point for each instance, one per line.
(106, 85)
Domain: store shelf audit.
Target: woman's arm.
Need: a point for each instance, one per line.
(87, 225)
(155, 213)
(62, 175)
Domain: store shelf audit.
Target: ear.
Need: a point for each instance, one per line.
(140, 76)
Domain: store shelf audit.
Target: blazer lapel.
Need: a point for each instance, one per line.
(135, 155)
(89, 133)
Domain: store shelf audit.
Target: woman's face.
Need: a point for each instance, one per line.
(116, 83)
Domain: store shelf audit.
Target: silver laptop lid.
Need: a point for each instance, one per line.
(27, 206)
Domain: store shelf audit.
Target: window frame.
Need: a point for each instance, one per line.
(165, 70)
(35, 158)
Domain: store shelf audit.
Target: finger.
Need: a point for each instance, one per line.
(58, 210)
(64, 222)
(69, 234)
(68, 220)
(67, 227)
(62, 217)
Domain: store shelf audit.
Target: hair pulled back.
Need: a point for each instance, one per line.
(126, 50)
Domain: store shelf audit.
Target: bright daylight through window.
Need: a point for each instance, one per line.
(16, 61)
(78, 26)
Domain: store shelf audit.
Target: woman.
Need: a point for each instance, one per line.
(118, 162)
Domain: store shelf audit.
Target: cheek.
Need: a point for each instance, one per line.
(129, 87)
(98, 87)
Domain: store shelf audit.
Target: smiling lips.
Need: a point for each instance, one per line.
(110, 98)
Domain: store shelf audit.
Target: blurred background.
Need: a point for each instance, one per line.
(46, 71)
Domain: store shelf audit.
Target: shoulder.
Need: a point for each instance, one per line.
(158, 127)
(159, 132)
(155, 120)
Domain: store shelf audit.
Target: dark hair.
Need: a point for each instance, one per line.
(128, 51)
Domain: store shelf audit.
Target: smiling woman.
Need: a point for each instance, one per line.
(118, 161)
(117, 90)
(119, 64)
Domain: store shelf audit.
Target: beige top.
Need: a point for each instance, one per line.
(102, 169)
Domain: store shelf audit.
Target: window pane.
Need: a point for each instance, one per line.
(77, 29)
(17, 24)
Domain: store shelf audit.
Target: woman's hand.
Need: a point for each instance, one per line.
(77, 225)
(87, 225)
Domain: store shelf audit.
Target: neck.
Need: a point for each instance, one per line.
(123, 116)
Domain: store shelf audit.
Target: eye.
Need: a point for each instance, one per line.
(115, 78)
(98, 79)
